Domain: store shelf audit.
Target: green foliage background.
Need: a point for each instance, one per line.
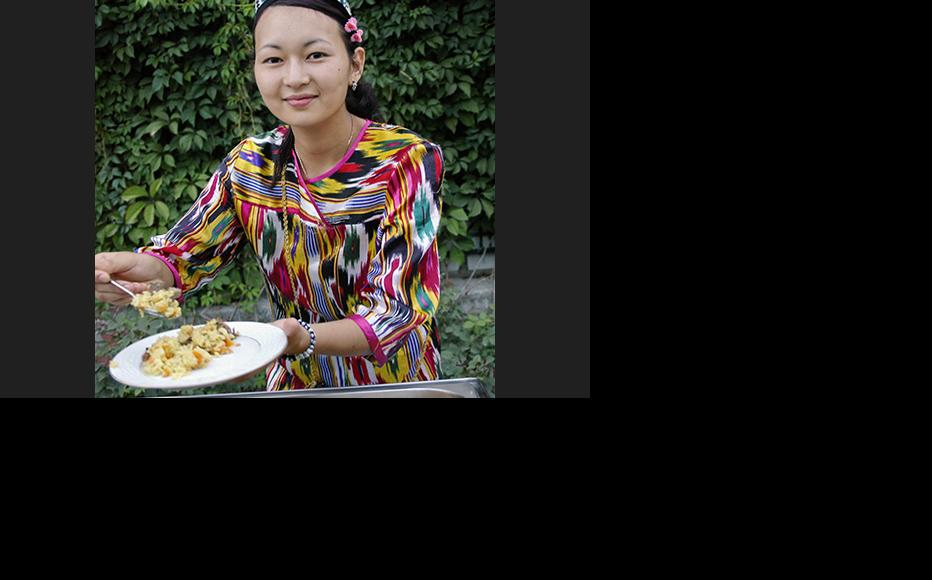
(175, 92)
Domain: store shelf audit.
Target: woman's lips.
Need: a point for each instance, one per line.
(301, 102)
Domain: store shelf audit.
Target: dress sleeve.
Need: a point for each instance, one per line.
(403, 285)
(207, 237)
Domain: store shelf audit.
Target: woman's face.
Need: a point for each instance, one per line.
(302, 68)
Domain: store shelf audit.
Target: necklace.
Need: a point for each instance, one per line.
(345, 149)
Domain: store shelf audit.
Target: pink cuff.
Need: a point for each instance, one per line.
(371, 337)
(173, 270)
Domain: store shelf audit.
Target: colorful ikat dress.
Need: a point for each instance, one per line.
(363, 246)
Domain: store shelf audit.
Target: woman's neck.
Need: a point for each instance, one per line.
(323, 145)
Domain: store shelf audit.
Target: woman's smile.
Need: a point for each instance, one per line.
(300, 101)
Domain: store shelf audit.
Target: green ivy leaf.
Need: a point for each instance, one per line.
(132, 212)
(488, 208)
(107, 231)
(154, 127)
(137, 235)
(149, 214)
(456, 228)
(188, 115)
(459, 215)
(134, 192)
(162, 210)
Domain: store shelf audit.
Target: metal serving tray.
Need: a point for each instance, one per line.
(446, 389)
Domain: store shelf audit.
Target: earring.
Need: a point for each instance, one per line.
(354, 84)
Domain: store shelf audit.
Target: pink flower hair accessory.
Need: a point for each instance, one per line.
(352, 25)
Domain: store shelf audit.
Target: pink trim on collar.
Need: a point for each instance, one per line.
(341, 163)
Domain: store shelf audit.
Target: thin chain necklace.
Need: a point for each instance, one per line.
(345, 149)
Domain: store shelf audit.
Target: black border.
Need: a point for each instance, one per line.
(542, 199)
(49, 190)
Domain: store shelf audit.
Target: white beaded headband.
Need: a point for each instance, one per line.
(345, 4)
(351, 25)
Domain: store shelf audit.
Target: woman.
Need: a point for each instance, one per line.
(341, 211)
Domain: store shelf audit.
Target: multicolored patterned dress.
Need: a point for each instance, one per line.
(363, 246)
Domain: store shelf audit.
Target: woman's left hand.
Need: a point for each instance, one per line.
(298, 338)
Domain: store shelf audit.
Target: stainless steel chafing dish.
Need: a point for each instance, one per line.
(446, 389)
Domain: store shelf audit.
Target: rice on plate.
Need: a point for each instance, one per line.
(191, 349)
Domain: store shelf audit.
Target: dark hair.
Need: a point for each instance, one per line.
(361, 102)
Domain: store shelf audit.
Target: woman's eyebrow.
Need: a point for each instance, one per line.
(305, 45)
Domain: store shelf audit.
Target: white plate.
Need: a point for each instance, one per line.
(257, 345)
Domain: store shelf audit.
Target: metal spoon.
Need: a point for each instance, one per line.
(148, 311)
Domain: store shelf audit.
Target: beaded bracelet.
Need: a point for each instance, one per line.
(310, 348)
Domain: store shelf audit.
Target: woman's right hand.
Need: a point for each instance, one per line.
(136, 272)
